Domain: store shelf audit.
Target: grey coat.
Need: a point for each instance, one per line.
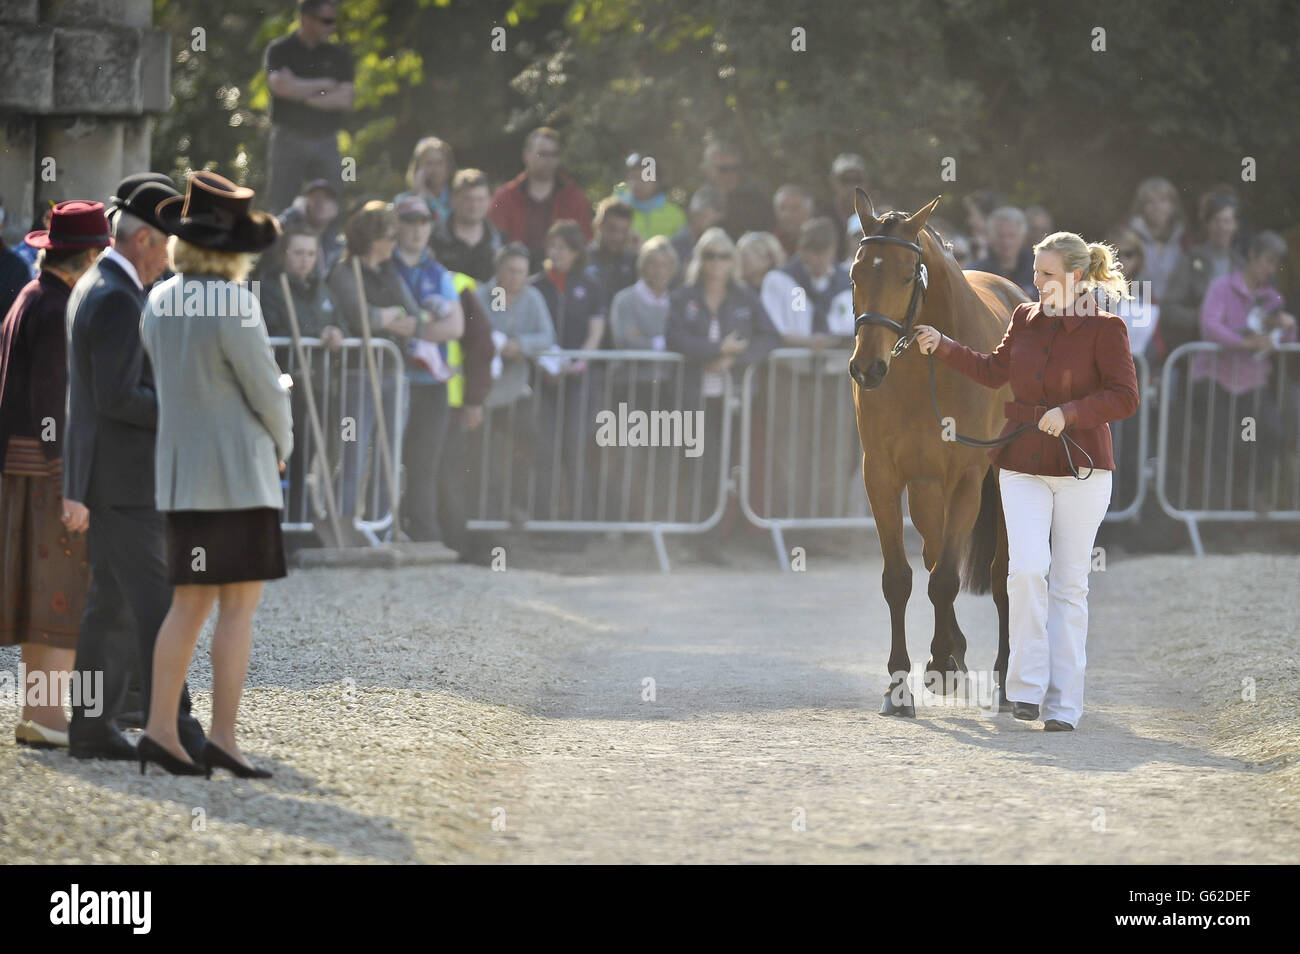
(223, 417)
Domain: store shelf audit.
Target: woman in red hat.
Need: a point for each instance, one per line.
(44, 573)
(224, 433)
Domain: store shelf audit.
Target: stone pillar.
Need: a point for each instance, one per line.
(79, 80)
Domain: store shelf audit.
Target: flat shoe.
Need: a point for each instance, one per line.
(1027, 711)
(1056, 725)
(38, 736)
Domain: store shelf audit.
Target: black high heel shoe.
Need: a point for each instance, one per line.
(216, 757)
(150, 751)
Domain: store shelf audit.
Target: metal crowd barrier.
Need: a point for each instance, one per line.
(1207, 468)
(1133, 475)
(808, 474)
(544, 462)
(346, 406)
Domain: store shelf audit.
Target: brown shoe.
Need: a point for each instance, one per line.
(1056, 725)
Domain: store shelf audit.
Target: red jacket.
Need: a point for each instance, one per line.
(1080, 363)
(509, 210)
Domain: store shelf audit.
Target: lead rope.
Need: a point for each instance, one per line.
(998, 441)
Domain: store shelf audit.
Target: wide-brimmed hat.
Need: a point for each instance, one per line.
(140, 194)
(76, 223)
(216, 214)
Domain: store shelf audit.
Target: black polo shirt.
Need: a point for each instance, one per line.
(325, 61)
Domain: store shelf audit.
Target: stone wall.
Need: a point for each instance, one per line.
(79, 83)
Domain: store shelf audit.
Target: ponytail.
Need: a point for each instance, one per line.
(1104, 271)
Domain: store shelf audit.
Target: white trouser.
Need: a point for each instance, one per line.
(1047, 585)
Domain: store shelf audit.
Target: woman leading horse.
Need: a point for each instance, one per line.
(1071, 370)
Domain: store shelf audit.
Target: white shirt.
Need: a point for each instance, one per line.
(124, 263)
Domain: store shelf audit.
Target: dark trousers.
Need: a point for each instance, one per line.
(426, 428)
(453, 472)
(128, 599)
(294, 158)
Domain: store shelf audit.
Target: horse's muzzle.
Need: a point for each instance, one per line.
(869, 379)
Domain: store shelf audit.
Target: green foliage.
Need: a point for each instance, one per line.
(1011, 89)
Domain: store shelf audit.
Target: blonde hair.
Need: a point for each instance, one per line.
(658, 245)
(713, 240)
(191, 259)
(762, 243)
(1099, 262)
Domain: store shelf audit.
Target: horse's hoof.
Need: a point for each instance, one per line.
(888, 708)
(1004, 704)
(898, 702)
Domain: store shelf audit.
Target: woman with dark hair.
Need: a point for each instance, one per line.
(44, 569)
(393, 313)
(1244, 312)
(295, 257)
(575, 299)
(1203, 263)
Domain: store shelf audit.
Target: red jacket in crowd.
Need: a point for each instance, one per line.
(510, 210)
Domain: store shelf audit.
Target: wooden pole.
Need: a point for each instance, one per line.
(320, 459)
(385, 453)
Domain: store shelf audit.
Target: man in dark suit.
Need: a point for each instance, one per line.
(109, 467)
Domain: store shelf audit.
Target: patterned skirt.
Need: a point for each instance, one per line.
(44, 570)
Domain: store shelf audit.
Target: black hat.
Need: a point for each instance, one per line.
(139, 194)
(216, 214)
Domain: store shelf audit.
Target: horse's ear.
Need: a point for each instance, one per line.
(916, 221)
(866, 212)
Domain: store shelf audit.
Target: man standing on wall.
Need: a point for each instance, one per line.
(311, 88)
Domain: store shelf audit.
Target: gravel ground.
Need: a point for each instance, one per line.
(444, 713)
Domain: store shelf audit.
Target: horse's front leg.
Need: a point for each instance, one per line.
(928, 501)
(885, 495)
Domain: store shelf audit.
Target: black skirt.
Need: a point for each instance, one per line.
(224, 546)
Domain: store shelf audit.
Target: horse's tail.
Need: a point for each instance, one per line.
(977, 567)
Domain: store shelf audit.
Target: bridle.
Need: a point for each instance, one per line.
(906, 332)
(920, 283)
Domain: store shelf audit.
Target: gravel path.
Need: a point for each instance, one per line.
(434, 714)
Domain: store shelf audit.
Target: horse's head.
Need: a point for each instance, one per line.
(889, 283)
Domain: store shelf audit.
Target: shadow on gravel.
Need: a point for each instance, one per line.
(271, 803)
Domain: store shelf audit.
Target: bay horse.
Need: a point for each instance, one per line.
(903, 277)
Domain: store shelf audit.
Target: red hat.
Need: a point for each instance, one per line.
(73, 224)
